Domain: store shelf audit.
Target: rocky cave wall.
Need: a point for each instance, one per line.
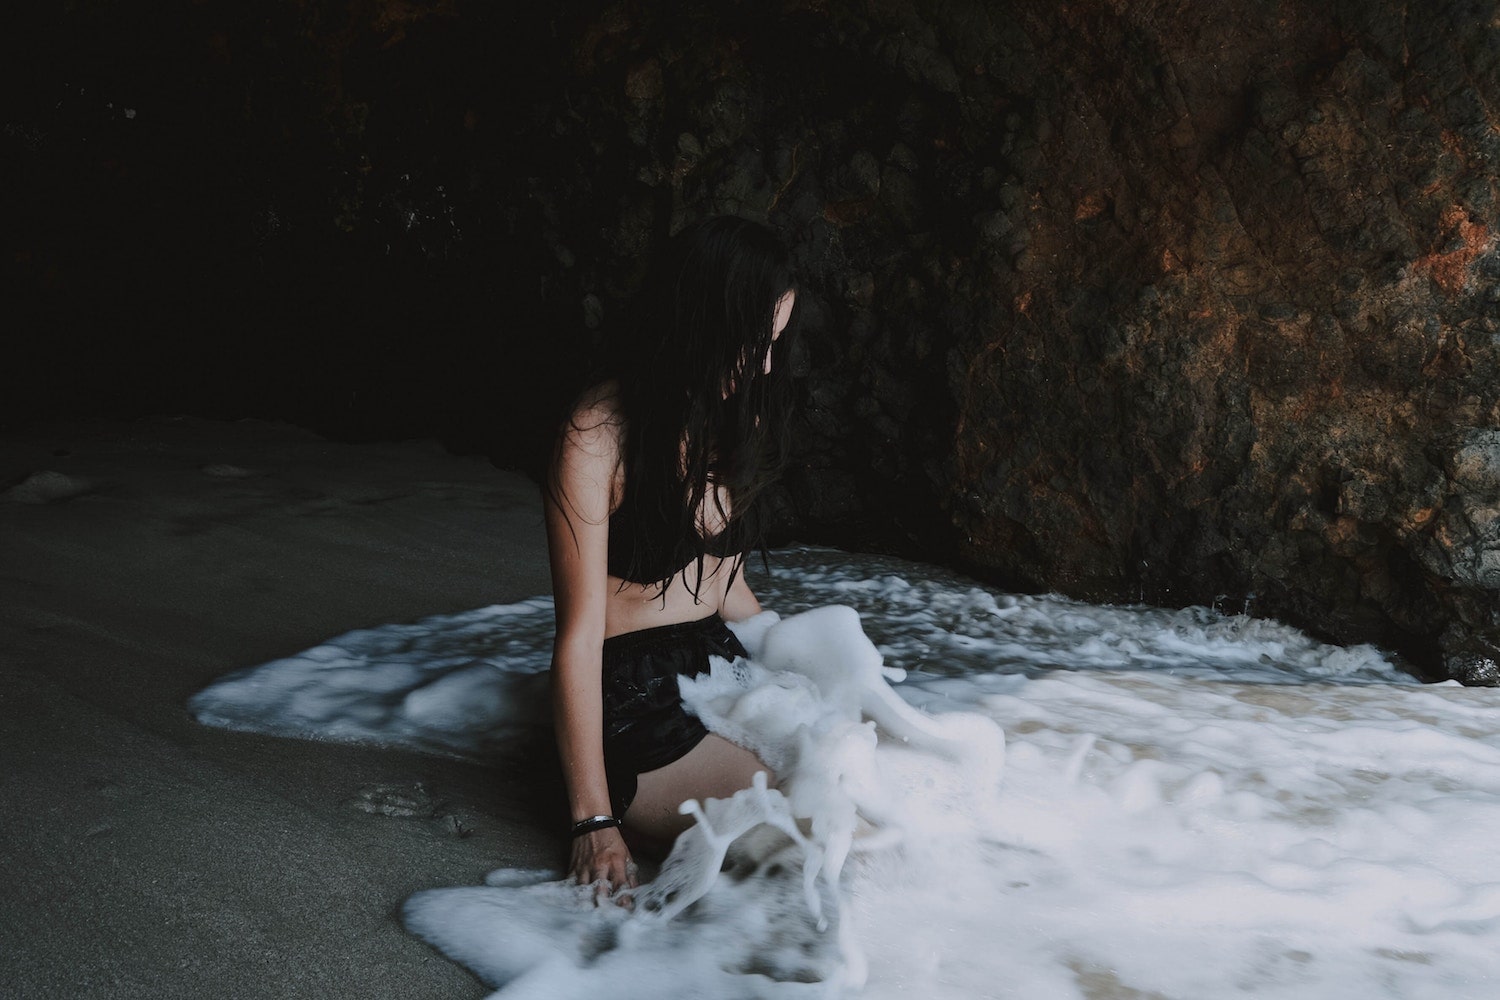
(1189, 301)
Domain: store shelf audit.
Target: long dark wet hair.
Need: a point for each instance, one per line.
(698, 410)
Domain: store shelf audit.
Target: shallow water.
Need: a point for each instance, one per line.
(1188, 804)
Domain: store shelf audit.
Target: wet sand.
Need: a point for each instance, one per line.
(146, 855)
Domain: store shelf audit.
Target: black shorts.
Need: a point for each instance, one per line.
(645, 723)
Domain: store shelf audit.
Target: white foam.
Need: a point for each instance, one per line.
(47, 487)
(455, 684)
(1191, 804)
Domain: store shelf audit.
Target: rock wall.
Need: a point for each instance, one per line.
(1183, 301)
(1189, 302)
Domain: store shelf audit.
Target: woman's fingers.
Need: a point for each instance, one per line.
(615, 887)
(603, 861)
(625, 883)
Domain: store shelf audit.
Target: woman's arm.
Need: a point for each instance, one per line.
(577, 511)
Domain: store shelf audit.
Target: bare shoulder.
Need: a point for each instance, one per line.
(595, 428)
(588, 456)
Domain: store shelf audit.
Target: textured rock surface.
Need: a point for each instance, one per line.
(1189, 300)
(1175, 301)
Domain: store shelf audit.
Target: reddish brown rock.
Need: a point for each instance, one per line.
(1189, 302)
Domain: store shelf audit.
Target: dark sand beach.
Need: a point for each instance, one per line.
(149, 856)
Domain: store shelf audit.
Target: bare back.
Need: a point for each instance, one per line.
(590, 476)
(631, 607)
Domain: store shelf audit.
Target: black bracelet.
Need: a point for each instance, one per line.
(593, 823)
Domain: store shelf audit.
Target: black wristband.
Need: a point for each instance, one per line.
(594, 823)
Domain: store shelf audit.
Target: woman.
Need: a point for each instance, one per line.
(651, 506)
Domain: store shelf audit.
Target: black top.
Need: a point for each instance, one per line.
(671, 552)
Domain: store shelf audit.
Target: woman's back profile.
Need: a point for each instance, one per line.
(652, 503)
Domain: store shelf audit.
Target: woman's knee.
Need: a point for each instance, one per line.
(714, 769)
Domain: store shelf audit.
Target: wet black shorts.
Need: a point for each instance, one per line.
(645, 723)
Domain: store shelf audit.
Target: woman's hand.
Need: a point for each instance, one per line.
(600, 858)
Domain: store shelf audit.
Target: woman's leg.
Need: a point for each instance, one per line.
(714, 769)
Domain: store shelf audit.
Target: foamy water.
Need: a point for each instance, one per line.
(1186, 805)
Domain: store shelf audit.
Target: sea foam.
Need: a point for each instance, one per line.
(756, 893)
(1187, 804)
